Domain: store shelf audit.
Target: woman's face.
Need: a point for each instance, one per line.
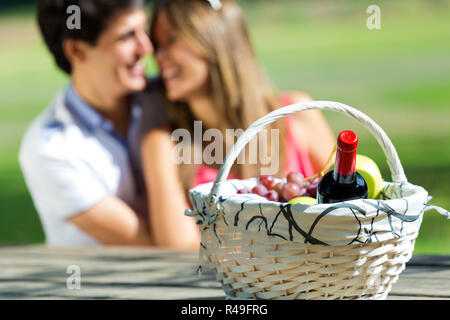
(183, 70)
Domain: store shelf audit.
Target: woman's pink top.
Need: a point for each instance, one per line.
(297, 159)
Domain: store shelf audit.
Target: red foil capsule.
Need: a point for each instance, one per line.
(346, 152)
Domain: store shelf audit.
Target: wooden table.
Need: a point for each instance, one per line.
(40, 272)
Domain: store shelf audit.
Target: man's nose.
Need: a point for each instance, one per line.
(144, 44)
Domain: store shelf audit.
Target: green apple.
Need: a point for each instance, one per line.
(303, 200)
(371, 173)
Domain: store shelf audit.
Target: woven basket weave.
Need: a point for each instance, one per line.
(357, 251)
(253, 266)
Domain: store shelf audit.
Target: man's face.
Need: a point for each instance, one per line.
(115, 62)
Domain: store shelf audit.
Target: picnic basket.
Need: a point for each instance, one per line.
(261, 249)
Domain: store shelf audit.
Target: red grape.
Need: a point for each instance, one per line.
(260, 189)
(296, 186)
(296, 177)
(312, 187)
(291, 190)
(267, 181)
(279, 188)
(272, 195)
(303, 191)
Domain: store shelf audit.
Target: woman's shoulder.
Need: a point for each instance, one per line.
(291, 97)
(297, 97)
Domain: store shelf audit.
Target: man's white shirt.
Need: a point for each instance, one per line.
(72, 159)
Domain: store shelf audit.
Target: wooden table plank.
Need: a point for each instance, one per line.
(395, 297)
(40, 272)
(429, 260)
(423, 281)
(46, 290)
(425, 276)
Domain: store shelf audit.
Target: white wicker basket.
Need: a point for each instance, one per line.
(268, 250)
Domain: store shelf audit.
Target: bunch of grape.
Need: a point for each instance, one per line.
(295, 186)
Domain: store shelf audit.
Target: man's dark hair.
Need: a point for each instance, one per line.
(52, 18)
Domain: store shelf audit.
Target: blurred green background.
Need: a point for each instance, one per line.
(398, 75)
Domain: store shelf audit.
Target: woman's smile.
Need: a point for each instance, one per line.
(169, 74)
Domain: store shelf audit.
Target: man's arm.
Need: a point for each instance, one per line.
(113, 222)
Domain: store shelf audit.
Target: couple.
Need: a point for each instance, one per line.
(97, 160)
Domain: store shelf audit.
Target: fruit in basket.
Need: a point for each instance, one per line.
(296, 177)
(268, 181)
(260, 189)
(303, 200)
(279, 188)
(292, 190)
(311, 187)
(295, 186)
(371, 173)
(272, 195)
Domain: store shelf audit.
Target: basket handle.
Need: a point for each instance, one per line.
(397, 172)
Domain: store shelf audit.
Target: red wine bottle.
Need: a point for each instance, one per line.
(343, 183)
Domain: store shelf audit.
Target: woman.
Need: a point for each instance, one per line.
(210, 73)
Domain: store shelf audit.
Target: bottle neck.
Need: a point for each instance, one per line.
(344, 179)
(344, 170)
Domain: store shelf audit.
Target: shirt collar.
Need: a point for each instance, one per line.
(84, 113)
(91, 118)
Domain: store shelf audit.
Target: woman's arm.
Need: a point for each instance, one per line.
(314, 132)
(169, 226)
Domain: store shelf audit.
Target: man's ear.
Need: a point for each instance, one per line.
(76, 51)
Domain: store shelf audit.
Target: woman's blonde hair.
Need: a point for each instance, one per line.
(240, 92)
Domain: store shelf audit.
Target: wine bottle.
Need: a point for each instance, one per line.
(343, 182)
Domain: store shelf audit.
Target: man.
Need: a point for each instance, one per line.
(80, 157)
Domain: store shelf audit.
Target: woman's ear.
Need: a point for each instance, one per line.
(75, 50)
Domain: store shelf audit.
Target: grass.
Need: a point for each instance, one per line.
(399, 76)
